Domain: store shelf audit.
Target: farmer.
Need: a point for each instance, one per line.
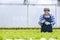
(46, 21)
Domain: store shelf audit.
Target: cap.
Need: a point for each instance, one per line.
(46, 9)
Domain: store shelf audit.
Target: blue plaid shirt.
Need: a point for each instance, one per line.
(52, 18)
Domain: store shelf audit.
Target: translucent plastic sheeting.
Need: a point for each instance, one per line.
(42, 1)
(30, 1)
(12, 15)
(11, 1)
(58, 16)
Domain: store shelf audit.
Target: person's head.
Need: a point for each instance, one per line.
(46, 11)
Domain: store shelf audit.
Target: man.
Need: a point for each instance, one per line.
(46, 21)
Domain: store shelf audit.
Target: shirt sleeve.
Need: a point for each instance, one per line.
(40, 19)
(52, 20)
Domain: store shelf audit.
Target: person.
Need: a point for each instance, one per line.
(46, 21)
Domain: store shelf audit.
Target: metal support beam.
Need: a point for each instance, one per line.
(25, 2)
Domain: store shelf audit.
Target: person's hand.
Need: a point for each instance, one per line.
(47, 23)
(42, 21)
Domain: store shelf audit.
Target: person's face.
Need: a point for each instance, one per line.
(46, 12)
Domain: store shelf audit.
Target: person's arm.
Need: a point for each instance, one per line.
(52, 20)
(41, 20)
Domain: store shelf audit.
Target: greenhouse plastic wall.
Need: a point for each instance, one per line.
(16, 13)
